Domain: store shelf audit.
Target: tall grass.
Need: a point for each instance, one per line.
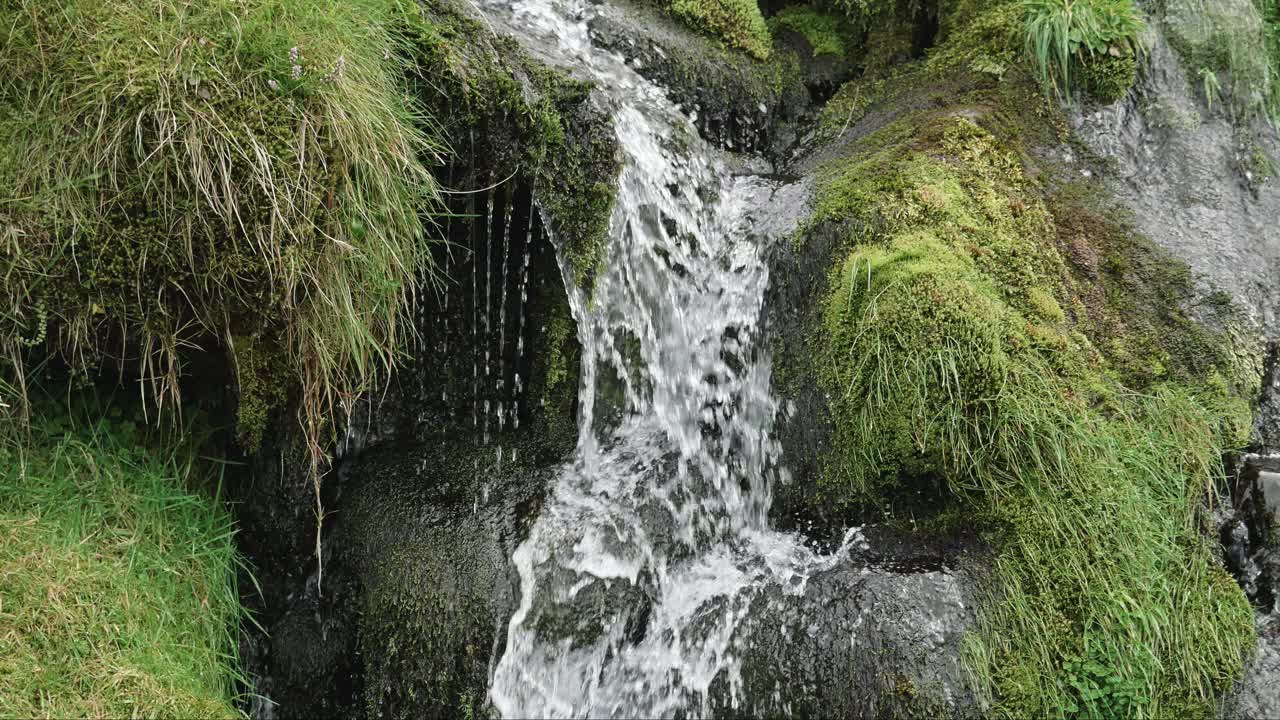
(117, 576)
(249, 171)
(1061, 34)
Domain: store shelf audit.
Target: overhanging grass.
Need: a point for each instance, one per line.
(249, 172)
(1066, 36)
(117, 583)
(952, 350)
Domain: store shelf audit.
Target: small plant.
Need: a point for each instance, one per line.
(1210, 85)
(1099, 690)
(1064, 35)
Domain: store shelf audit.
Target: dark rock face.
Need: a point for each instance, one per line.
(877, 635)
(428, 539)
(736, 102)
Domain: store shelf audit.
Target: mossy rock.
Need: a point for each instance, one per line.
(973, 348)
(736, 23)
(1109, 77)
(428, 537)
(738, 101)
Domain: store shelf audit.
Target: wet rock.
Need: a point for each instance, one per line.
(1266, 427)
(1188, 175)
(879, 635)
(1258, 695)
(735, 101)
(428, 538)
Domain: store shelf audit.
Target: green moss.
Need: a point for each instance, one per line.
(1108, 78)
(954, 345)
(263, 382)
(825, 33)
(118, 589)
(577, 181)
(738, 23)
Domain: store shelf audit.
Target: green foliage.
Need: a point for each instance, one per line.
(1270, 13)
(1064, 36)
(736, 22)
(181, 174)
(1240, 40)
(951, 347)
(117, 579)
(1100, 692)
(825, 33)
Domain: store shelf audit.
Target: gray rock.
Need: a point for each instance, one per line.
(1187, 175)
(867, 638)
(1258, 695)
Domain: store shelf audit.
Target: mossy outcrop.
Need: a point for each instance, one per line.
(991, 337)
(736, 24)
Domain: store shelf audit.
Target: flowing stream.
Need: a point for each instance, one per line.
(654, 540)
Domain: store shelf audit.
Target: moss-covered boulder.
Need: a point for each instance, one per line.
(967, 329)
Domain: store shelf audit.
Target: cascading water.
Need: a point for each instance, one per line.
(655, 539)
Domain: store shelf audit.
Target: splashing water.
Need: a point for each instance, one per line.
(655, 539)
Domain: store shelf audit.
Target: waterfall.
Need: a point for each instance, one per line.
(655, 538)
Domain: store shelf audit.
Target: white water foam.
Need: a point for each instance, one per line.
(655, 539)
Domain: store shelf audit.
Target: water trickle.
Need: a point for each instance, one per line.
(477, 242)
(655, 540)
(502, 312)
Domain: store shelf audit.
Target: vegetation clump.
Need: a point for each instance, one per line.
(117, 579)
(824, 32)
(954, 346)
(249, 175)
(738, 23)
(1097, 37)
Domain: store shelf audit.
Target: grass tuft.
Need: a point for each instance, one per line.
(117, 580)
(244, 173)
(1066, 36)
